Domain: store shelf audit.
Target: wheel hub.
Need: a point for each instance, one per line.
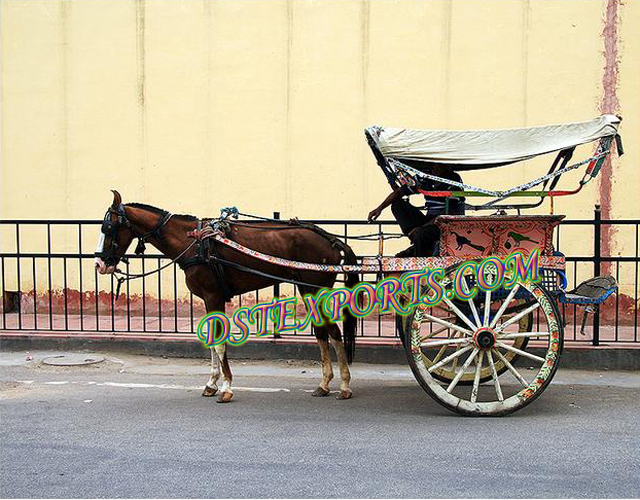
(484, 338)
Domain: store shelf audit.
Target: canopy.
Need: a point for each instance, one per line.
(469, 149)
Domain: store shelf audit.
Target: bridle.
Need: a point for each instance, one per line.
(110, 228)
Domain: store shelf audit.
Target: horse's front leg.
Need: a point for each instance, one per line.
(221, 364)
(226, 393)
(212, 386)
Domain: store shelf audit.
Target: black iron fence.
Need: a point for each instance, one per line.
(49, 282)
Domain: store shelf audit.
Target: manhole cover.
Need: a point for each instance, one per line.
(72, 359)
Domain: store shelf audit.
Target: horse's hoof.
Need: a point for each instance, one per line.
(320, 392)
(209, 391)
(225, 397)
(344, 395)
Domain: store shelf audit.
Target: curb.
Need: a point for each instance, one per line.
(583, 357)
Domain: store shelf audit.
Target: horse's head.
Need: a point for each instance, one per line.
(117, 235)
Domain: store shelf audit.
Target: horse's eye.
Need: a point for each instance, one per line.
(107, 228)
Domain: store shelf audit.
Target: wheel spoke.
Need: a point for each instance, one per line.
(523, 334)
(433, 333)
(449, 358)
(515, 318)
(472, 305)
(455, 360)
(510, 367)
(487, 308)
(436, 343)
(494, 375)
(520, 352)
(460, 372)
(504, 305)
(442, 322)
(476, 378)
(459, 313)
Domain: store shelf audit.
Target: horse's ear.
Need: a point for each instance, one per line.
(117, 199)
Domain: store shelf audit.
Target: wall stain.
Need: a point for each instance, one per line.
(287, 146)
(446, 57)
(526, 30)
(207, 137)
(609, 105)
(65, 8)
(140, 13)
(364, 30)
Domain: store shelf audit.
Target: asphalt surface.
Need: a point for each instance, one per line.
(134, 426)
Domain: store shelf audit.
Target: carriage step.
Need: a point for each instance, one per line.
(592, 291)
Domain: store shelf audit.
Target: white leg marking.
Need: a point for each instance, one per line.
(345, 374)
(327, 368)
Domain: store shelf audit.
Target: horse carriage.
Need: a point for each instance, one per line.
(490, 354)
(456, 348)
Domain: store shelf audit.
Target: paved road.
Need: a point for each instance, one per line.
(138, 427)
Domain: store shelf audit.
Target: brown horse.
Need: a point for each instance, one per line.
(168, 233)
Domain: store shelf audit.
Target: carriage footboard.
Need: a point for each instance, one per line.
(591, 292)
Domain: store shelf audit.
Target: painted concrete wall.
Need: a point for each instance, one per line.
(192, 105)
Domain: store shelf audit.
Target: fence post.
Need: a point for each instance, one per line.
(276, 287)
(597, 260)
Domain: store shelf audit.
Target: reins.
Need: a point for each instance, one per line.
(124, 276)
(295, 224)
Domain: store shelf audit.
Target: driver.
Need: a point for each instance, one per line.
(417, 226)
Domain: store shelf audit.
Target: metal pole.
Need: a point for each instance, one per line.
(276, 287)
(597, 261)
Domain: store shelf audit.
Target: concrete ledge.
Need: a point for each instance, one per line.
(379, 351)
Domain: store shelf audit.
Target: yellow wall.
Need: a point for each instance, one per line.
(192, 106)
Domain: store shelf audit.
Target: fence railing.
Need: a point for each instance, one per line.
(49, 282)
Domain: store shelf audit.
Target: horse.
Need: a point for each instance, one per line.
(215, 283)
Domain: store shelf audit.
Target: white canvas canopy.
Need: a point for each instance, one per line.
(473, 148)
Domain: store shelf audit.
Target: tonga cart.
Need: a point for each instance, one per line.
(496, 352)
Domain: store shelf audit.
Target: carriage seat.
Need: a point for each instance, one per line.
(592, 291)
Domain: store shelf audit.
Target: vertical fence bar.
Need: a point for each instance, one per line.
(175, 298)
(128, 301)
(159, 297)
(276, 287)
(191, 311)
(80, 275)
(112, 300)
(4, 303)
(144, 297)
(95, 279)
(49, 276)
(635, 289)
(66, 303)
(35, 294)
(18, 276)
(597, 261)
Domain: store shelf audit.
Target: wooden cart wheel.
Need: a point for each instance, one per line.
(432, 330)
(482, 341)
(447, 372)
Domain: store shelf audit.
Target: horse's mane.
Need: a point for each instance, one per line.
(157, 210)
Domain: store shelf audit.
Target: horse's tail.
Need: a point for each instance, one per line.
(350, 323)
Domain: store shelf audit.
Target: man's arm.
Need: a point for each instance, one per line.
(395, 195)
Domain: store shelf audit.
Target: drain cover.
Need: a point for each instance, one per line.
(72, 359)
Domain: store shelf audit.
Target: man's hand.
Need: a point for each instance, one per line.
(374, 214)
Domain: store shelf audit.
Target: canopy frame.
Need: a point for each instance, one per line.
(399, 173)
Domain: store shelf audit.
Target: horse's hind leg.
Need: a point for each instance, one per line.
(325, 358)
(212, 386)
(345, 374)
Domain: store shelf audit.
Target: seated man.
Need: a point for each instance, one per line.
(418, 226)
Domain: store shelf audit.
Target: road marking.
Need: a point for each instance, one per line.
(138, 385)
